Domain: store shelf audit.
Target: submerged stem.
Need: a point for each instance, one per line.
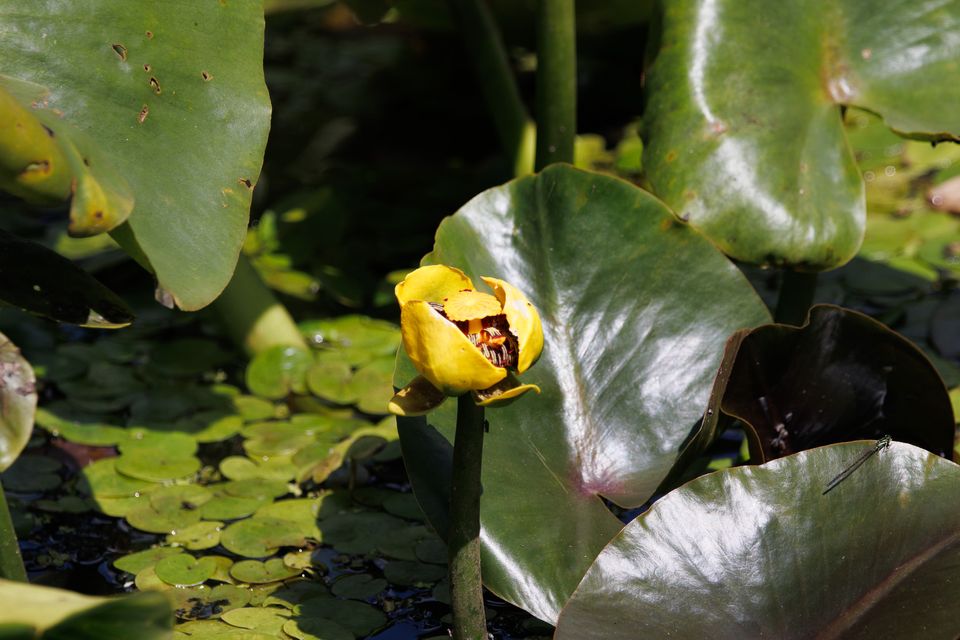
(466, 591)
(11, 564)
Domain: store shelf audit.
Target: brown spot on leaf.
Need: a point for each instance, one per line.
(147, 68)
(98, 214)
(149, 35)
(120, 50)
(206, 75)
(246, 182)
(155, 85)
(86, 162)
(144, 112)
(671, 155)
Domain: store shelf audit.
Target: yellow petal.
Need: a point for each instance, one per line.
(442, 354)
(470, 305)
(503, 393)
(416, 399)
(524, 320)
(431, 284)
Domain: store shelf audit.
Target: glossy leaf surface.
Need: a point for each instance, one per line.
(41, 281)
(58, 614)
(631, 345)
(173, 97)
(18, 402)
(843, 376)
(760, 552)
(743, 130)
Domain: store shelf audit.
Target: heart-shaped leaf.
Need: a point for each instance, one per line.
(744, 137)
(842, 376)
(172, 98)
(18, 402)
(760, 552)
(43, 282)
(632, 341)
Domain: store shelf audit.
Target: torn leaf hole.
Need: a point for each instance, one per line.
(86, 162)
(48, 130)
(120, 50)
(147, 68)
(246, 182)
(206, 75)
(41, 166)
(144, 112)
(155, 85)
(149, 35)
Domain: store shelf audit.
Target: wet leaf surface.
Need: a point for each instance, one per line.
(869, 559)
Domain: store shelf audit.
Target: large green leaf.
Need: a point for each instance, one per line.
(636, 308)
(172, 97)
(18, 402)
(760, 552)
(56, 614)
(41, 281)
(743, 129)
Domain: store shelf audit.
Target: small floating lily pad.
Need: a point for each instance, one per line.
(31, 474)
(101, 480)
(255, 488)
(241, 468)
(358, 586)
(183, 570)
(156, 466)
(360, 532)
(187, 356)
(206, 602)
(404, 505)
(413, 574)
(296, 592)
(277, 371)
(224, 507)
(167, 444)
(260, 537)
(202, 535)
(136, 562)
(432, 550)
(359, 618)
(61, 420)
(268, 620)
(252, 408)
(316, 629)
(256, 572)
(331, 380)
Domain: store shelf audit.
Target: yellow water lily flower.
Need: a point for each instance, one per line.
(463, 340)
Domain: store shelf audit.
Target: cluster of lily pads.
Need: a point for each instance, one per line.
(264, 516)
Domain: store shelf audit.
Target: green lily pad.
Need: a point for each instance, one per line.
(223, 507)
(240, 468)
(157, 466)
(358, 586)
(167, 444)
(187, 356)
(208, 602)
(353, 339)
(278, 371)
(211, 426)
(136, 562)
(138, 105)
(359, 618)
(749, 145)
(402, 543)
(663, 299)
(413, 574)
(296, 592)
(202, 535)
(360, 532)
(252, 408)
(256, 572)
(332, 381)
(404, 505)
(820, 549)
(303, 511)
(260, 537)
(432, 550)
(60, 420)
(31, 473)
(183, 570)
(316, 629)
(373, 385)
(104, 380)
(260, 488)
(101, 480)
(148, 518)
(267, 620)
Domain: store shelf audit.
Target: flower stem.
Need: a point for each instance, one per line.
(795, 298)
(556, 82)
(488, 55)
(11, 564)
(466, 591)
